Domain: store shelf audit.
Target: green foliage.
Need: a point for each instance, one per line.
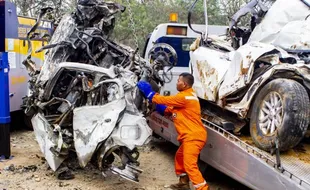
(146, 14)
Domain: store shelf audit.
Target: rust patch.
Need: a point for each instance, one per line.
(241, 67)
(214, 90)
(208, 78)
(243, 70)
(200, 73)
(212, 71)
(199, 68)
(205, 96)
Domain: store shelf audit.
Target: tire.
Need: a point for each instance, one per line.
(287, 104)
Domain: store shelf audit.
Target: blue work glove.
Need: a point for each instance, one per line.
(146, 89)
(160, 108)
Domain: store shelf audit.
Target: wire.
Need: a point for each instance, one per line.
(189, 18)
(88, 50)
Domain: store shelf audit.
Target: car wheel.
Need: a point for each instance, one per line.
(280, 108)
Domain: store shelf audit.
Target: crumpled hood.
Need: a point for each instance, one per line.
(285, 25)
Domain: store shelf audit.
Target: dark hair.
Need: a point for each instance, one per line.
(188, 78)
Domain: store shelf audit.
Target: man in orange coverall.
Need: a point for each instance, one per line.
(192, 135)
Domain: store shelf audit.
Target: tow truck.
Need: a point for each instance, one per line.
(172, 40)
(235, 153)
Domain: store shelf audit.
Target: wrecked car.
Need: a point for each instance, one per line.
(258, 75)
(84, 98)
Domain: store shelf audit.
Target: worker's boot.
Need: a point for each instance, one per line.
(182, 185)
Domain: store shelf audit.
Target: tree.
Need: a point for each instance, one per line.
(31, 8)
(148, 14)
(230, 7)
(145, 14)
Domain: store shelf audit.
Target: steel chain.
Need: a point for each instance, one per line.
(132, 25)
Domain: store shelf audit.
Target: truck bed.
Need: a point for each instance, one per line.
(238, 157)
(296, 160)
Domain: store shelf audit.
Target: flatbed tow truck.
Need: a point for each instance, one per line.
(238, 158)
(237, 155)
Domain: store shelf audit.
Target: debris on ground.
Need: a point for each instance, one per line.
(64, 173)
(157, 164)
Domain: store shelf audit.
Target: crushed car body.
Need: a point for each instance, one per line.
(84, 99)
(255, 77)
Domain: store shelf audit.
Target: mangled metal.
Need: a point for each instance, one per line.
(286, 25)
(242, 65)
(85, 100)
(280, 35)
(275, 46)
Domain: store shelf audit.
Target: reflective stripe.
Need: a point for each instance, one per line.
(191, 98)
(181, 175)
(194, 94)
(200, 185)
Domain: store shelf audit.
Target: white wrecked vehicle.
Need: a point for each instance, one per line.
(85, 100)
(259, 75)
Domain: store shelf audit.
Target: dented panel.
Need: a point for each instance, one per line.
(92, 125)
(241, 108)
(47, 140)
(84, 101)
(209, 67)
(241, 68)
(284, 25)
(275, 44)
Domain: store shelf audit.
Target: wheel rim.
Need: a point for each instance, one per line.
(271, 114)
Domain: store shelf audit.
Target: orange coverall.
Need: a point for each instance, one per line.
(192, 135)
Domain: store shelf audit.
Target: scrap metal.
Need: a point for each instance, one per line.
(84, 99)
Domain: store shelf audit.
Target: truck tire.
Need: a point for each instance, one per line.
(280, 108)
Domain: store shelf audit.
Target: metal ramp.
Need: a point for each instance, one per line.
(237, 158)
(251, 166)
